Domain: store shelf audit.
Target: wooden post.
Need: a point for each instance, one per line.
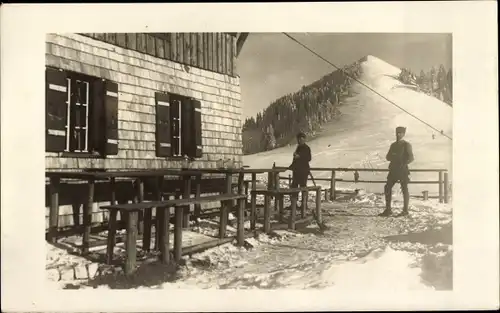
(165, 235)
(303, 206)
(246, 190)
(293, 211)
(267, 214)
(281, 207)
(241, 221)
(333, 195)
(318, 205)
(276, 185)
(241, 187)
(87, 217)
(112, 224)
(425, 194)
(223, 216)
(178, 233)
(269, 181)
(148, 217)
(241, 183)
(197, 207)
(289, 180)
(225, 206)
(54, 208)
(131, 242)
(140, 214)
(441, 187)
(187, 195)
(253, 208)
(160, 214)
(445, 187)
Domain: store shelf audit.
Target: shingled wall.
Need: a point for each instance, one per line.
(139, 76)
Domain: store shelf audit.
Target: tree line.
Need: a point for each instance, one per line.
(305, 110)
(437, 83)
(315, 104)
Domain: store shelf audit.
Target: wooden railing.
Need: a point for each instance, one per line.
(442, 180)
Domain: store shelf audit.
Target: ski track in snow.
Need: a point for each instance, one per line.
(354, 251)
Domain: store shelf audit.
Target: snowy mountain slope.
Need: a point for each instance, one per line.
(362, 134)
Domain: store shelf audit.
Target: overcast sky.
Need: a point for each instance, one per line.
(272, 65)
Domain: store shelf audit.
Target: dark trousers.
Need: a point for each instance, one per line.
(299, 179)
(403, 178)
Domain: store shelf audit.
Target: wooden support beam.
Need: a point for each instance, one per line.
(112, 225)
(87, 216)
(253, 208)
(333, 196)
(131, 248)
(240, 42)
(178, 233)
(54, 208)
(293, 212)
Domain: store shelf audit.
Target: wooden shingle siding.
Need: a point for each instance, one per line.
(199, 50)
(132, 41)
(180, 48)
(150, 45)
(210, 51)
(138, 77)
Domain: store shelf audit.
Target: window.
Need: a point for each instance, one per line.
(178, 126)
(81, 114)
(77, 122)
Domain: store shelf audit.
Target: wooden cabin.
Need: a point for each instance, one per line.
(126, 101)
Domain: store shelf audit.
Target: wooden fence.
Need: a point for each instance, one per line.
(442, 180)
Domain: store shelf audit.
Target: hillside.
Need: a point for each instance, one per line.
(305, 110)
(364, 128)
(319, 103)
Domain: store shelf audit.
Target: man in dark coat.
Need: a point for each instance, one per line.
(400, 155)
(300, 165)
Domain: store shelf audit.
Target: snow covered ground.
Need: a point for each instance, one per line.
(358, 249)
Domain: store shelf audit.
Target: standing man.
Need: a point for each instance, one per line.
(400, 155)
(300, 165)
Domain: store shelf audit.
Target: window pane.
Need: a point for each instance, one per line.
(81, 116)
(175, 128)
(81, 140)
(174, 109)
(81, 92)
(175, 145)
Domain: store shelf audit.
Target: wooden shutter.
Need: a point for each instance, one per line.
(111, 117)
(188, 142)
(163, 135)
(56, 110)
(98, 129)
(196, 106)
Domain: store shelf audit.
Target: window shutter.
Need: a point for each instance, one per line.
(163, 135)
(111, 117)
(98, 129)
(56, 109)
(196, 106)
(188, 141)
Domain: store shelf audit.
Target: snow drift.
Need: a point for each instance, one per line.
(361, 136)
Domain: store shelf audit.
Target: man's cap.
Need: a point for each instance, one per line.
(301, 135)
(400, 129)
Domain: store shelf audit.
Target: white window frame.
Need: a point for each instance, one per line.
(179, 123)
(68, 116)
